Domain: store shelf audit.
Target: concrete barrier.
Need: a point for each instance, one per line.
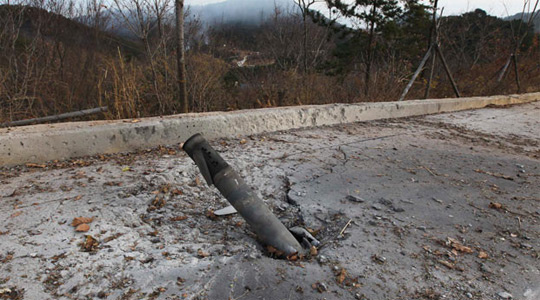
(42, 143)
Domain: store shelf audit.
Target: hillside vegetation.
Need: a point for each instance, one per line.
(58, 57)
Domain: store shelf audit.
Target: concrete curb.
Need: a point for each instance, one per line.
(42, 143)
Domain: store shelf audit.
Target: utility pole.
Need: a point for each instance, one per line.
(180, 57)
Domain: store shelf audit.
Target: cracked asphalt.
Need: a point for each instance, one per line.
(436, 207)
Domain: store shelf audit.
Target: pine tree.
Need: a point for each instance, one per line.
(371, 16)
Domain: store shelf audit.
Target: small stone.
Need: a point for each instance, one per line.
(322, 259)
(398, 209)
(379, 259)
(253, 255)
(484, 268)
(385, 202)
(355, 199)
(376, 207)
(322, 287)
(526, 246)
(505, 295)
(373, 223)
(469, 295)
(291, 201)
(422, 228)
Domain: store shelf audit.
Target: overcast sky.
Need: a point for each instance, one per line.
(493, 7)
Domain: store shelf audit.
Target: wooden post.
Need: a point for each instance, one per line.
(433, 35)
(514, 59)
(420, 67)
(74, 114)
(501, 76)
(447, 69)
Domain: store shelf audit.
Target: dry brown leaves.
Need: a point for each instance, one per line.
(16, 214)
(450, 265)
(341, 276)
(90, 244)
(7, 258)
(483, 255)
(178, 218)
(456, 245)
(82, 228)
(30, 165)
(498, 175)
(177, 192)
(495, 205)
(81, 220)
(112, 237)
(157, 203)
(81, 224)
(295, 257)
(447, 264)
(210, 215)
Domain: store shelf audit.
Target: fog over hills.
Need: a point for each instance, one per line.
(241, 11)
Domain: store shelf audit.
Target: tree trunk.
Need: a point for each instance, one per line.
(305, 39)
(369, 58)
(180, 57)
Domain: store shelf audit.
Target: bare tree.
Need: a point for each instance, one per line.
(304, 6)
(138, 17)
(513, 58)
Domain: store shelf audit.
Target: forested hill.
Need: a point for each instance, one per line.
(525, 17)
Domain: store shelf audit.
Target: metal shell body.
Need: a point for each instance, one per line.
(263, 222)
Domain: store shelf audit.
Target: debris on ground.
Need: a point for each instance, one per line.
(418, 222)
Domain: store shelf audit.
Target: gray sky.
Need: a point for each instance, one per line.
(493, 7)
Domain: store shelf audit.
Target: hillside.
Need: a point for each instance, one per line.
(52, 64)
(56, 28)
(525, 17)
